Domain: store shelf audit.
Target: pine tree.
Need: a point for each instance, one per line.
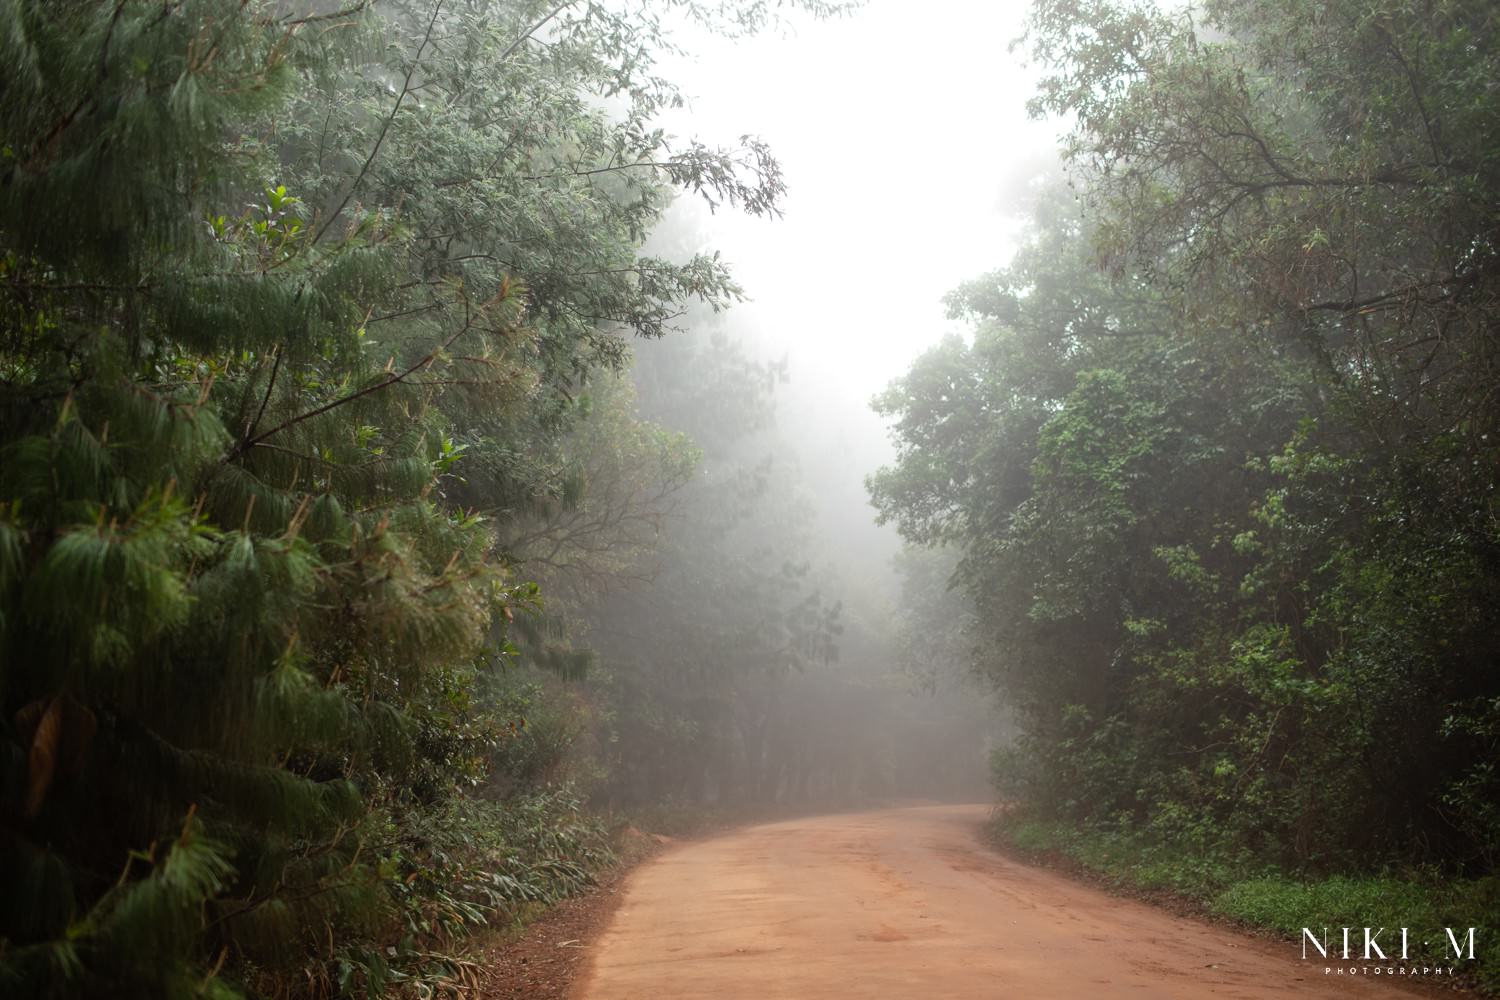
(225, 575)
(296, 304)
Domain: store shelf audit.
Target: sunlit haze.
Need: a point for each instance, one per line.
(903, 133)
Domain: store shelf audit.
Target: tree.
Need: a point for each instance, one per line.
(701, 660)
(1226, 425)
(621, 478)
(298, 303)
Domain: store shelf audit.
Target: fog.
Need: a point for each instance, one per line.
(903, 131)
(903, 134)
(438, 454)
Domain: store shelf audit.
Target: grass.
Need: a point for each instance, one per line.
(1256, 895)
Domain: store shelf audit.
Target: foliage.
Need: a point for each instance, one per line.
(469, 866)
(305, 311)
(699, 701)
(1219, 455)
(1246, 891)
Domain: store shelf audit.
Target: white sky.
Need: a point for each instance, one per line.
(903, 135)
(901, 129)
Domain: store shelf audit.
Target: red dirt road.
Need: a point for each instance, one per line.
(905, 903)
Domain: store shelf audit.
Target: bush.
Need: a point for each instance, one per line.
(1236, 887)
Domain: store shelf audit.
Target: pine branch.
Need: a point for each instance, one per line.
(109, 35)
(392, 379)
(270, 385)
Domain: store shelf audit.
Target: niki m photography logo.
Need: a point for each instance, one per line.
(1380, 951)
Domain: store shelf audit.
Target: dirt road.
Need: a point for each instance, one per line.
(906, 903)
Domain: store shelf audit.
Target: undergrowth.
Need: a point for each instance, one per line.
(1255, 894)
(473, 866)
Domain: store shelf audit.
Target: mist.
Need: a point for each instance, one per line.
(776, 476)
(844, 289)
(769, 639)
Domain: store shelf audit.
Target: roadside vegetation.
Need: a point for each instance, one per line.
(359, 577)
(1218, 461)
(310, 312)
(390, 511)
(1256, 894)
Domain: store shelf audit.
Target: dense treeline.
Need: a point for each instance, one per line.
(354, 557)
(306, 311)
(1220, 456)
(707, 654)
(742, 676)
(352, 570)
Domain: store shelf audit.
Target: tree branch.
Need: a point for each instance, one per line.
(390, 380)
(385, 126)
(511, 48)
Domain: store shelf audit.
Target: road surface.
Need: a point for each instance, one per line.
(906, 903)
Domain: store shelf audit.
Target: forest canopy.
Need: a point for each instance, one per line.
(316, 320)
(1220, 454)
(394, 511)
